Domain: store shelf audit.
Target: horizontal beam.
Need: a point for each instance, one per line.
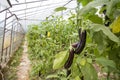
(37, 7)
(37, 10)
(28, 2)
(4, 9)
(32, 19)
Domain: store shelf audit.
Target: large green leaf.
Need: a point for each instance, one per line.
(60, 9)
(105, 62)
(98, 37)
(106, 31)
(89, 72)
(116, 13)
(95, 19)
(111, 5)
(60, 59)
(75, 71)
(114, 54)
(92, 5)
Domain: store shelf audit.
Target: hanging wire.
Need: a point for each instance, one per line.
(17, 1)
(67, 3)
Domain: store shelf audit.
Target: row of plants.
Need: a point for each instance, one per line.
(46, 40)
(51, 43)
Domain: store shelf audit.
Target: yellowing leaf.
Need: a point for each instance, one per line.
(60, 59)
(48, 34)
(82, 61)
(116, 25)
(77, 78)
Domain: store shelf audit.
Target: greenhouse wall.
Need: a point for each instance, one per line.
(11, 33)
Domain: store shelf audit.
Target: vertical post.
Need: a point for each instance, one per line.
(17, 41)
(3, 35)
(6, 54)
(13, 35)
(10, 51)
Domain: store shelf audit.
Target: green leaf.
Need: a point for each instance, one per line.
(79, 1)
(110, 6)
(98, 37)
(84, 2)
(89, 60)
(60, 9)
(83, 61)
(89, 72)
(92, 5)
(95, 19)
(77, 78)
(102, 9)
(60, 59)
(52, 76)
(105, 62)
(106, 31)
(75, 71)
(116, 13)
(114, 54)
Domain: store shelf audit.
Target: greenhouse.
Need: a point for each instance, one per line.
(59, 39)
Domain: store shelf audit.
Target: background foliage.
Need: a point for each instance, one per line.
(49, 43)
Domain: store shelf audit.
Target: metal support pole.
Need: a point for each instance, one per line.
(13, 35)
(3, 35)
(10, 51)
(4, 10)
(6, 55)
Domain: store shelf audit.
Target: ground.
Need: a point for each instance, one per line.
(24, 66)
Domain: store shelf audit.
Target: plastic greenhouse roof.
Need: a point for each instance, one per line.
(34, 11)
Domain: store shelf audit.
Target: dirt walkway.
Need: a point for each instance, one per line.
(24, 66)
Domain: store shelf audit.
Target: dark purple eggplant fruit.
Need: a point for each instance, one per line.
(82, 43)
(70, 59)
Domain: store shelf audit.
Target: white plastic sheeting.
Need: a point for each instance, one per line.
(35, 11)
(5, 3)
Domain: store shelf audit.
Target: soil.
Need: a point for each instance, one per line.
(24, 66)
